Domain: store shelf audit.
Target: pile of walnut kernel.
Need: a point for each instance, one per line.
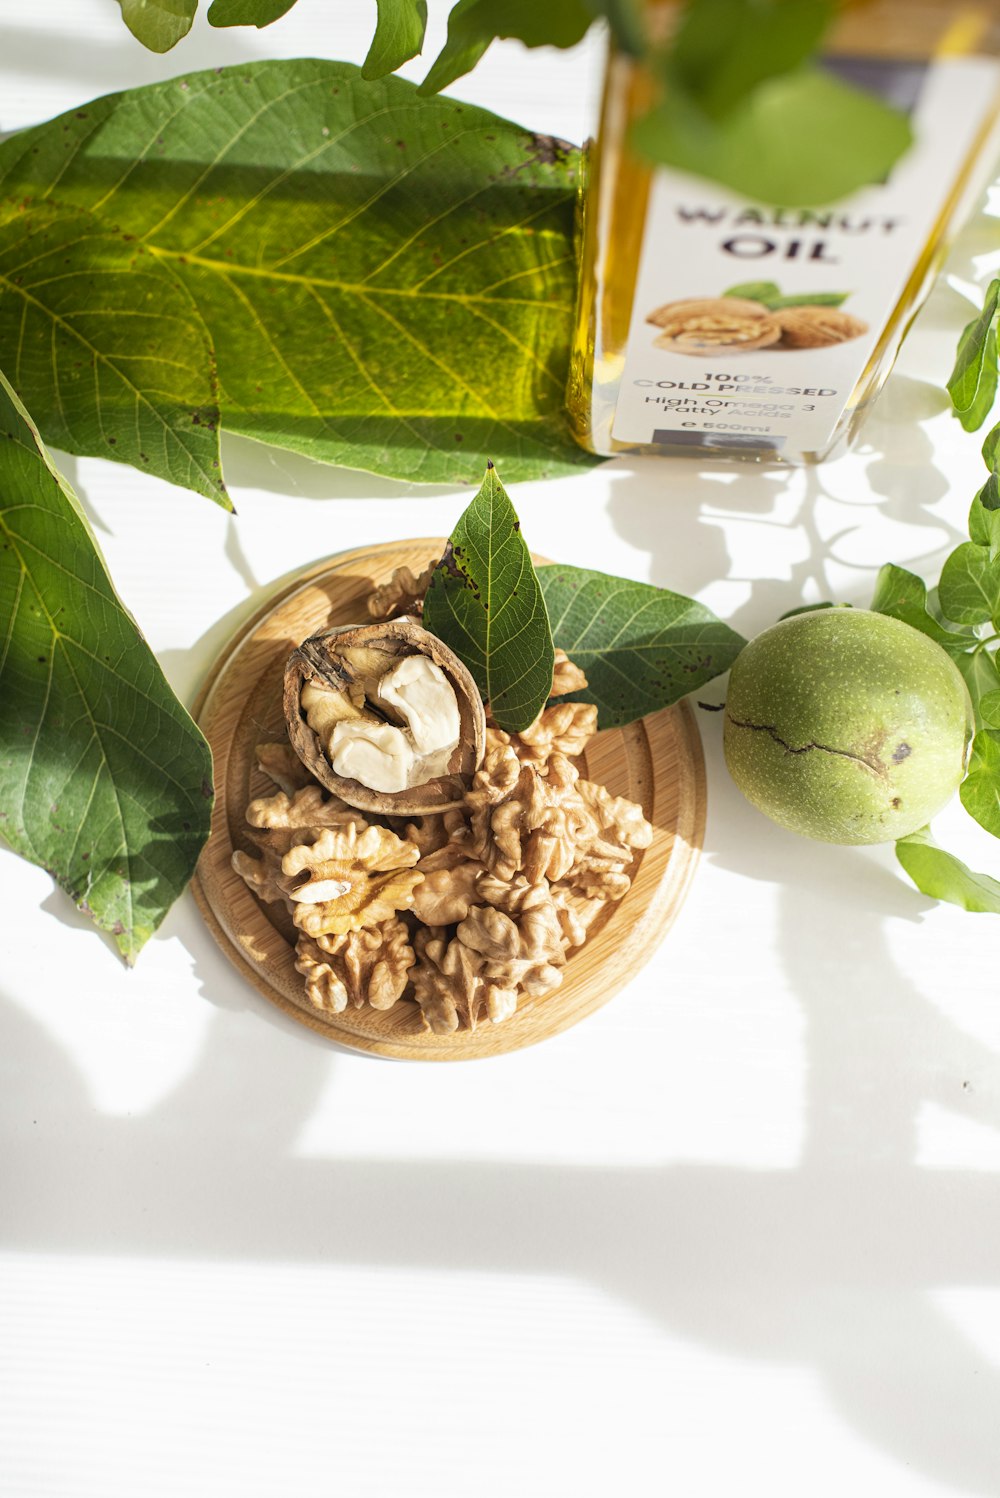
(462, 911)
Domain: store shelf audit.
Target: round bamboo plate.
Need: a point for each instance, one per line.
(657, 762)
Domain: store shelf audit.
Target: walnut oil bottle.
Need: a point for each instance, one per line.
(710, 324)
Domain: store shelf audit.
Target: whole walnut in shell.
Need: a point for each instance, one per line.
(817, 327)
(719, 325)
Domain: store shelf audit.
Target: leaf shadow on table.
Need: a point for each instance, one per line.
(830, 1266)
(675, 510)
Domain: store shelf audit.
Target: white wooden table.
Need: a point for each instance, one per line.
(738, 1234)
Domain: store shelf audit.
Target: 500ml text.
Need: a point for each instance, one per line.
(723, 426)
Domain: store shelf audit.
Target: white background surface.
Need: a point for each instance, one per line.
(737, 1234)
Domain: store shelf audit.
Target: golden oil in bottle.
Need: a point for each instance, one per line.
(710, 324)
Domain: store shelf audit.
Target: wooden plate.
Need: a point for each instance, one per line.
(657, 762)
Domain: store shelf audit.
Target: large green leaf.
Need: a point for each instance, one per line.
(941, 875)
(105, 347)
(158, 24)
(641, 647)
(399, 35)
(484, 601)
(388, 281)
(104, 779)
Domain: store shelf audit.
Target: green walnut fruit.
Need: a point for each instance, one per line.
(847, 726)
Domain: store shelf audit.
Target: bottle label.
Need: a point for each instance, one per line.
(752, 326)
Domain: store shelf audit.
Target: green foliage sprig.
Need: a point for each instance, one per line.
(963, 615)
(741, 98)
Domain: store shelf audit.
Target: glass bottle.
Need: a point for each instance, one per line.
(786, 378)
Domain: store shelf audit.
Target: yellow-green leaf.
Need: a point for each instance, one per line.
(106, 347)
(388, 281)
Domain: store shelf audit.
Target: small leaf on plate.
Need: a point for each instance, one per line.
(104, 779)
(399, 35)
(641, 647)
(944, 877)
(485, 602)
(973, 381)
(980, 790)
(158, 24)
(969, 588)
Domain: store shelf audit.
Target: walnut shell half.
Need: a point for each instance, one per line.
(339, 704)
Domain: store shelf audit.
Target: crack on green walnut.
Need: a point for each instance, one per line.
(876, 767)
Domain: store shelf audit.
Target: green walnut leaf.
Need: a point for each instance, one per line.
(991, 448)
(980, 790)
(774, 144)
(979, 668)
(972, 383)
(485, 602)
(989, 708)
(820, 299)
(388, 282)
(247, 12)
(941, 875)
(106, 345)
(769, 294)
(158, 24)
(725, 48)
(104, 779)
(641, 647)
(474, 24)
(969, 588)
(756, 291)
(399, 35)
(984, 518)
(904, 595)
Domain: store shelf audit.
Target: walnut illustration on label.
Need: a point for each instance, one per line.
(718, 325)
(731, 324)
(817, 327)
